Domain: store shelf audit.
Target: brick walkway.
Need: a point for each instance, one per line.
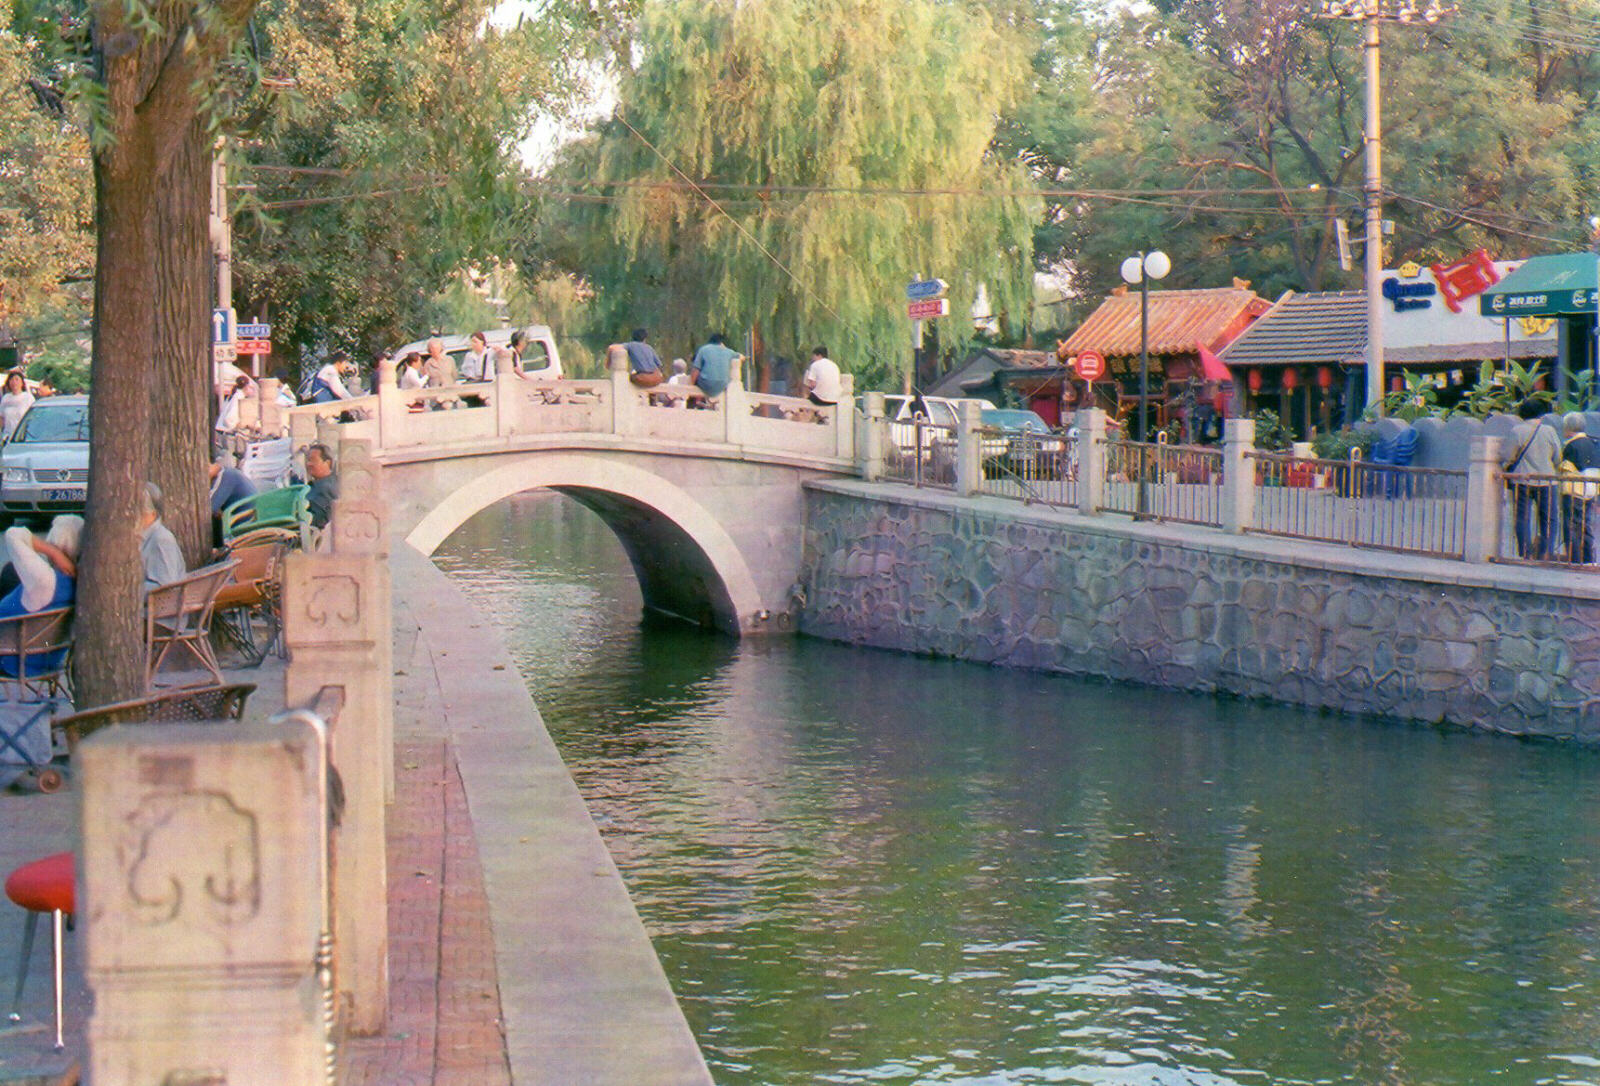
(444, 996)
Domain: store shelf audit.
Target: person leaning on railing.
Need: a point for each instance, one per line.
(1530, 475)
(1582, 453)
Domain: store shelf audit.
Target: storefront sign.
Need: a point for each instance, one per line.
(1470, 276)
(1406, 296)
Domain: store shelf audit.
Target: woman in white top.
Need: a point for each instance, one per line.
(411, 375)
(14, 403)
(228, 416)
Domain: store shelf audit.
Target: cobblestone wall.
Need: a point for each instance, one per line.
(1112, 600)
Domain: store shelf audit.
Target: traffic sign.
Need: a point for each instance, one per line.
(1091, 365)
(926, 288)
(254, 346)
(931, 307)
(223, 352)
(254, 331)
(222, 325)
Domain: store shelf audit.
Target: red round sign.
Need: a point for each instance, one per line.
(1091, 365)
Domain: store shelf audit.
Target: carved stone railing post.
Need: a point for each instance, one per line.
(874, 436)
(506, 399)
(204, 898)
(1485, 500)
(844, 418)
(1091, 460)
(391, 406)
(271, 409)
(735, 405)
(336, 626)
(1238, 475)
(302, 433)
(969, 448)
(624, 404)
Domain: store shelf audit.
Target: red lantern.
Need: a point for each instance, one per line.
(1291, 377)
(1254, 380)
(1396, 384)
(1325, 377)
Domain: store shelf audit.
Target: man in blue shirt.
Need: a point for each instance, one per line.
(712, 368)
(644, 364)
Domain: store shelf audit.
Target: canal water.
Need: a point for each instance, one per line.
(862, 867)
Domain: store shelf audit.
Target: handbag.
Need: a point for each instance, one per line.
(1583, 485)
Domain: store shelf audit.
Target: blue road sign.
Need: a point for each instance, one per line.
(222, 325)
(926, 288)
(254, 331)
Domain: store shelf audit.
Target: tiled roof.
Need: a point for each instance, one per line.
(1181, 321)
(1024, 360)
(1302, 329)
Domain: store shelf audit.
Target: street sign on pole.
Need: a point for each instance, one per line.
(223, 352)
(926, 288)
(931, 307)
(1091, 365)
(253, 331)
(223, 322)
(254, 346)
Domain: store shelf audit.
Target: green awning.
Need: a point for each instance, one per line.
(1545, 286)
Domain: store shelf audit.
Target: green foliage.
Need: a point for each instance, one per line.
(1581, 394)
(1338, 444)
(1271, 433)
(1500, 389)
(1418, 398)
(812, 102)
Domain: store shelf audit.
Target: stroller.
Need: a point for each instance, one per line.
(26, 744)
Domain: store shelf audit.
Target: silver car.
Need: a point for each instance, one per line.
(46, 460)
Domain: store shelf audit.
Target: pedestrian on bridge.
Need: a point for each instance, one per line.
(822, 382)
(712, 368)
(644, 365)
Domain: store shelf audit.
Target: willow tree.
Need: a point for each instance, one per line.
(786, 167)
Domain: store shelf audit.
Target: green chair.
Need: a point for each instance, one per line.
(286, 507)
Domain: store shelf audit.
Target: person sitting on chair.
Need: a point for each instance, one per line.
(324, 484)
(47, 569)
(228, 485)
(158, 547)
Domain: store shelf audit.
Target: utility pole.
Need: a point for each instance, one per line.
(221, 228)
(1372, 14)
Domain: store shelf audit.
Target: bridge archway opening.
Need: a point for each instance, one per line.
(687, 565)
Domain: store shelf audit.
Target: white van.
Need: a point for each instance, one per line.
(539, 355)
(940, 411)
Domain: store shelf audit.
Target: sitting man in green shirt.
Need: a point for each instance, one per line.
(712, 368)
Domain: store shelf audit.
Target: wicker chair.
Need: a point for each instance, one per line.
(178, 616)
(35, 652)
(247, 607)
(174, 707)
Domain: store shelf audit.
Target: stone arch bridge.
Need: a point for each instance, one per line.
(706, 500)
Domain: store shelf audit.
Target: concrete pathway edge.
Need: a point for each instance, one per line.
(582, 992)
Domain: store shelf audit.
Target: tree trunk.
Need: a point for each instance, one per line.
(110, 665)
(181, 433)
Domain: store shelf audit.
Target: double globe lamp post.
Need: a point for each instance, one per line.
(1141, 269)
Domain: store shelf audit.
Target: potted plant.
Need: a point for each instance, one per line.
(1338, 445)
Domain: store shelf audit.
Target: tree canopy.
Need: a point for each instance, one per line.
(788, 166)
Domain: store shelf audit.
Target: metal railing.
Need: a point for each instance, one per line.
(1382, 506)
(1037, 467)
(921, 453)
(1157, 481)
(1550, 521)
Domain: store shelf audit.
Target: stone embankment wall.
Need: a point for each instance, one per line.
(1513, 650)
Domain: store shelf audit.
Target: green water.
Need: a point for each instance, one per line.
(860, 867)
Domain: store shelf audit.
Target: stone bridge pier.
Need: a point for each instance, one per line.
(713, 535)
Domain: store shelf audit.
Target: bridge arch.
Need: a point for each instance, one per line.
(686, 562)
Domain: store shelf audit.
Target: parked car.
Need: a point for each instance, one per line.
(1025, 444)
(539, 352)
(46, 459)
(941, 413)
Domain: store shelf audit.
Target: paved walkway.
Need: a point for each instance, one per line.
(515, 953)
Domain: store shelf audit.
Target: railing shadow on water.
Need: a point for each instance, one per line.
(1158, 481)
(1381, 506)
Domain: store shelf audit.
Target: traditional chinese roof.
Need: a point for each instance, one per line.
(1305, 329)
(1181, 321)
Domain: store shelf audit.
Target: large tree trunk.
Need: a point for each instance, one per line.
(181, 435)
(110, 665)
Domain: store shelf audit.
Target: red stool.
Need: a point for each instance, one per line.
(43, 886)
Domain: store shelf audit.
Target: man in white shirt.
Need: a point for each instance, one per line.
(328, 385)
(822, 379)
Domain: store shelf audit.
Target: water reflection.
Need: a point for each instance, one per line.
(863, 867)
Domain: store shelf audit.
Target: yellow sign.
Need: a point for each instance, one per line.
(1409, 270)
(1535, 326)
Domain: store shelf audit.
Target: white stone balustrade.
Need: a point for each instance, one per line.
(204, 880)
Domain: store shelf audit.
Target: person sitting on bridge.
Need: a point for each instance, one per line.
(478, 363)
(439, 367)
(644, 365)
(329, 383)
(409, 375)
(822, 379)
(324, 484)
(712, 368)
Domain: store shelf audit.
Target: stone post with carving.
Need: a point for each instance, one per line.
(735, 405)
(271, 410)
(203, 877)
(844, 418)
(391, 405)
(1238, 475)
(625, 404)
(874, 436)
(969, 448)
(336, 625)
(1485, 500)
(1091, 460)
(506, 393)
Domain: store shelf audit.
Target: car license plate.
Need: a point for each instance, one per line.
(65, 494)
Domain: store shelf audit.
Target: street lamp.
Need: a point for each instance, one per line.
(1371, 14)
(1141, 269)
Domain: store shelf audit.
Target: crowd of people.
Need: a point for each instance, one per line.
(1553, 497)
(710, 371)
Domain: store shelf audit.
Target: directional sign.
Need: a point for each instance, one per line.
(932, 307)
(1091, 365)
(222, 325)
(926, 288)
(223, 352)
(253, 331)
(254, 346)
